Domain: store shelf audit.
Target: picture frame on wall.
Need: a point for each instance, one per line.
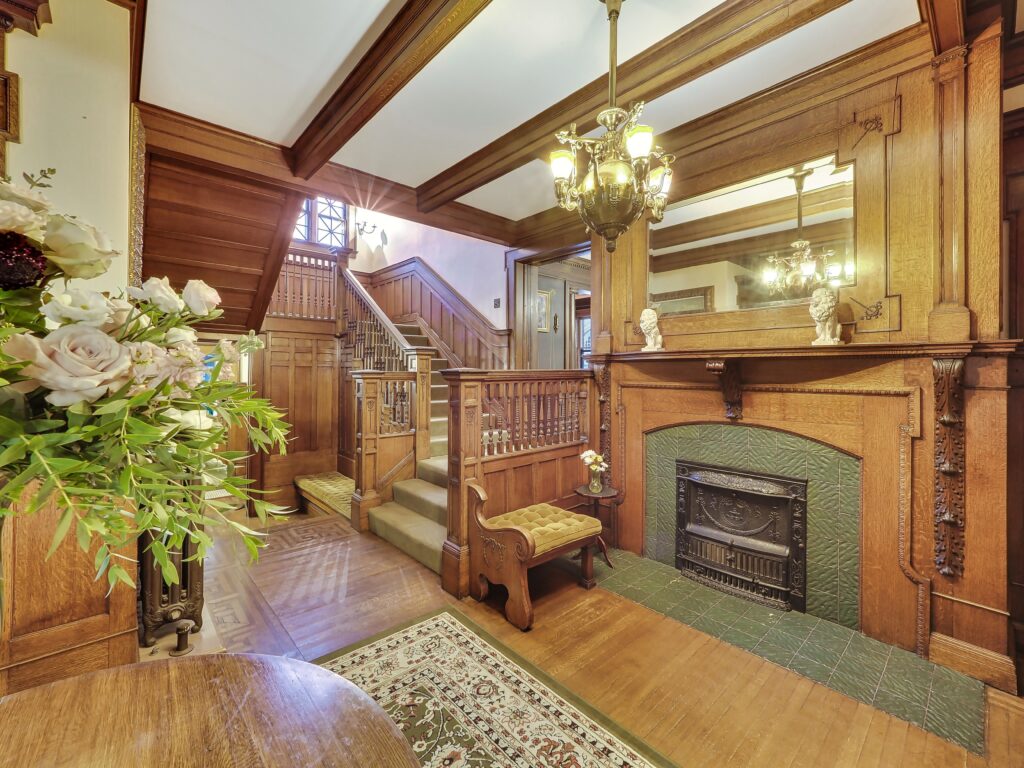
(543, 311)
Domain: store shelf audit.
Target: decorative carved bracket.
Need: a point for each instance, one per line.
(949, 466)
(603, 379)
(728, 373)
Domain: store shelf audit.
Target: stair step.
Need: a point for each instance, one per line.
(437, 380)
(438, 391)
(438, 409)
(418, 340)
(439, 446)
(408, 328)
(439, 426)
(424, 498)
(440, 363)
(414, 534)
(433, 470)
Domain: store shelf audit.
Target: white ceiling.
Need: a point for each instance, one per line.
(248, 66)
(251, 66)
(514, 60)
(835, 34)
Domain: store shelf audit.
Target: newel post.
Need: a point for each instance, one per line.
(366, 497)
(419, 363)
(465, 390)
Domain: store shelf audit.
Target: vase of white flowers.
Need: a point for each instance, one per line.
(108, 406)
(597, 466)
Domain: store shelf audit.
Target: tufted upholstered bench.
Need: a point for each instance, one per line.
(504, 547)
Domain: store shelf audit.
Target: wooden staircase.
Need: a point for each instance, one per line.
(416, 521)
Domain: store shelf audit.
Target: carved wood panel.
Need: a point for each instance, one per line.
(949, 466)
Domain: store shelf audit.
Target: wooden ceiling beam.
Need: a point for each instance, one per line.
(725, 33)
(171, 134)
(946, 23)
(824, 200)
(420, 31)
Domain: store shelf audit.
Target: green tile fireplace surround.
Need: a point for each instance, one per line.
(833, 501)
(822, 644)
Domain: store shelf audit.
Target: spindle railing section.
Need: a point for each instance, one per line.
(306, 288)
(522, 415)
(375, 343)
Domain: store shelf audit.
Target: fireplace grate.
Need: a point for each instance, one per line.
(743, 533)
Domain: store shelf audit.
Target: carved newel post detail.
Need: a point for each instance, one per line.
(728, 373)
(949, 466)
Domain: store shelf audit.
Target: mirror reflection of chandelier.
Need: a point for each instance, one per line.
(626, 174)
(803, 268)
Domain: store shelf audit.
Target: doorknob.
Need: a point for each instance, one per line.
(554, 324)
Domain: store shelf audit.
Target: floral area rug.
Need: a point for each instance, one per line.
(463, 700)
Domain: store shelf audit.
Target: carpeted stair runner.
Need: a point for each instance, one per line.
(416, 521)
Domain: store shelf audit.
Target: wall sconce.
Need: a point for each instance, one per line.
(366, 228)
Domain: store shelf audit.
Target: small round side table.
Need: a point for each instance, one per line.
(607, 494)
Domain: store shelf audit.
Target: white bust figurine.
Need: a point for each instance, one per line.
(824, 303)
(649, 326)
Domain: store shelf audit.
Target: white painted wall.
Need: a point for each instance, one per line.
(474, 268)
(75, 91)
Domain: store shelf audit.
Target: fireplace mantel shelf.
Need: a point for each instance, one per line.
(959, 349)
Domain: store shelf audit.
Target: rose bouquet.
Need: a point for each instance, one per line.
(598, 466)
(108, 406)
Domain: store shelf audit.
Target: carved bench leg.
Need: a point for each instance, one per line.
(519, 607)
(587, 568)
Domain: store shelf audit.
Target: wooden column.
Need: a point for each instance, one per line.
(366, 496)
(950, 320)
(419, 363)
(464, 416)
(619, 282)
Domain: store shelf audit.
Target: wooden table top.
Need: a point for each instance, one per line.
(216, 710)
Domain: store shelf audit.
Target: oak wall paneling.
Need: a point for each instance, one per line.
(298, 372)
(229, 231)
(56, 619)
(410, 291)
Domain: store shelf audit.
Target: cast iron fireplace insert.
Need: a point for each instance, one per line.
(744, 533)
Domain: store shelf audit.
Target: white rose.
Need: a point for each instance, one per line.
(78, 248)
(158, 292)
(15, 217)
(77, 305)
(75, 362)
(177, 337)
(201, 298)
(26, 196)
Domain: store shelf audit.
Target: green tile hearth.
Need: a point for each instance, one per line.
(935, 698)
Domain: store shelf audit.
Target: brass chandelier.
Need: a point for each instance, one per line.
(626, 174)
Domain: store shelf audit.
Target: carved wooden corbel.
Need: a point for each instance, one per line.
(728, 373)
(949, 466)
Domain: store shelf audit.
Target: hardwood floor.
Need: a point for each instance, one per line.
(320, 586)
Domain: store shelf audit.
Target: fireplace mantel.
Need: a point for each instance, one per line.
(881, 351)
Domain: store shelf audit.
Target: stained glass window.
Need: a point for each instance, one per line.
(323, 221)
(331, 223)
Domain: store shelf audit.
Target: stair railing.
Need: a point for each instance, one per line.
(385, 400)
(519, 435)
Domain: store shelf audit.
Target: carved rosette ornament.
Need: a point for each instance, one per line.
(949, 466)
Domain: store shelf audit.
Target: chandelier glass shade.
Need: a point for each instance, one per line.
(803, 268)
(624, 173)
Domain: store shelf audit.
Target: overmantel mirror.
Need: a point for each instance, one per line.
(765, 242)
